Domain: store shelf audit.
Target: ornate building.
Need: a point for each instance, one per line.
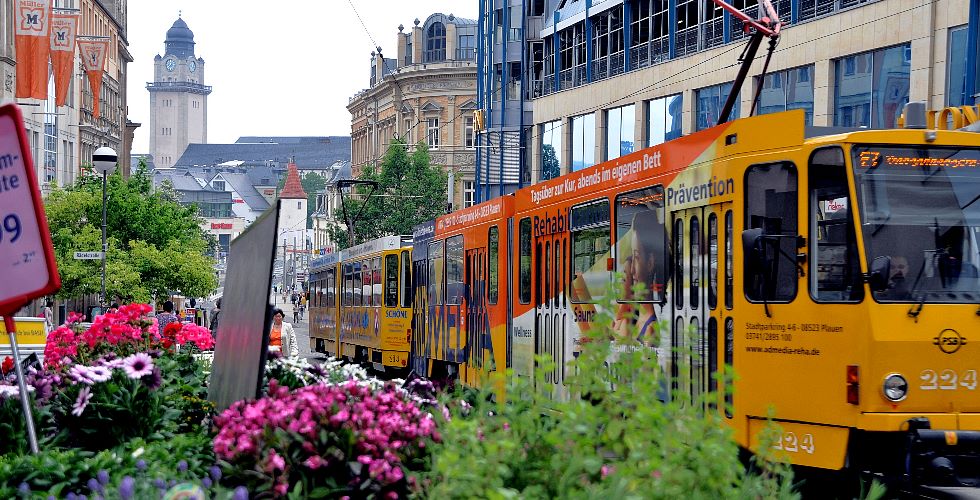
(106, 19)
(426, 94)
(178, 98)
(63, 138)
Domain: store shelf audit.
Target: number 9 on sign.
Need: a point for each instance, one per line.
(10, 230)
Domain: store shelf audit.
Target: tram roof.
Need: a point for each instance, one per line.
(375, 246)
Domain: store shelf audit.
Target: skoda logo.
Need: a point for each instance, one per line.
(949, 341)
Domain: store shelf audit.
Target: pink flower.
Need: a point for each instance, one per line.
(605, 470)
(275, 462)
(314, 462)
(84, 396)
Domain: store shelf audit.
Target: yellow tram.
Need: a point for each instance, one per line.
(362, 305)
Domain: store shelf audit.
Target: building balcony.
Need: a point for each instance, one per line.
(193, 88)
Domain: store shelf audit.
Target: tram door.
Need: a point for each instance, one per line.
(551, 308)
(477, 321)
(697, 249)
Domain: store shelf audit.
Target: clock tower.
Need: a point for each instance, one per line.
(178, 98)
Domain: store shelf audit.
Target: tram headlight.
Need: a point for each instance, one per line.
(895, 388)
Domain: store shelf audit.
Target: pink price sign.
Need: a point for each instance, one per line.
(27, 262)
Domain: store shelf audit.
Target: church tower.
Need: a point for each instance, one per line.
(178, 98)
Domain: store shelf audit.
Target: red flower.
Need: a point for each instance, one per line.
(8, 364)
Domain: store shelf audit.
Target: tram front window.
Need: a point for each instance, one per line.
(920, 216)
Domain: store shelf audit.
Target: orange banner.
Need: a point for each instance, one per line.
(64, 29)
(93, 59)
(31, 25)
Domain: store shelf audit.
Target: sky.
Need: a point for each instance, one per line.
(285, 71)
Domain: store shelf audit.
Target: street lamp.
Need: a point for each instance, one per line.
(104, 160)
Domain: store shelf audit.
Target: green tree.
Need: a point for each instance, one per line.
(410, 191)
(155, 245)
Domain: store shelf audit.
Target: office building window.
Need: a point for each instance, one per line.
(469, 132)
(785, 90)
(432, 133)
(620, 126)
(608, 57)
(435, 43)
(871, 88)
(583, 141)
(710, 101)
(650, 33)
(469, 193)
(551, 150)
(664, 119)
(956, 61)
(572, 56)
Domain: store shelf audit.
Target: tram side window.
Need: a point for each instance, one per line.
(376, 282)
(349, 284)
(712, 261)
(454, 270)
(358, 295)
(641, 249)
(493, 255)
(406, 279)
(367, 278)
(589, 226)
(771, 205)
(834, 253)
(391, 280)
(331, 287)
(729, 270)
(435, 273)
(524, 242)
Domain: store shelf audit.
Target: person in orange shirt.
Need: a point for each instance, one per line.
(283, 338)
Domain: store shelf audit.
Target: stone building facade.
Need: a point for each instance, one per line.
(178, 98)
(107, 19)
(427, 93)
(62, 139)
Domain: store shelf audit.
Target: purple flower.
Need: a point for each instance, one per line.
(141, 465)
(154, 380)
(160, 484)
(138, 365)
(103, 477)
(215, 473)
(126, 488)
(182, 466)
(24, 489)
(71, 496)
(84, 396)
(99, 374)
(93, 484)
(206, 482)
(81, 375)
(240, 493)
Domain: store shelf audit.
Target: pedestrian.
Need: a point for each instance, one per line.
(48, 314)
(114, 308)
(302, 305)
(283, 337)
(214, 319)
(167, 316)
(294, 298)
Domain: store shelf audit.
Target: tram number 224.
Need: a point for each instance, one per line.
(791, 443)
(947, 380)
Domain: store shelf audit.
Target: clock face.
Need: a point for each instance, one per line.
(192, 65)
(171, 64)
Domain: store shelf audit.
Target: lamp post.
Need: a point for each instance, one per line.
(104, 160)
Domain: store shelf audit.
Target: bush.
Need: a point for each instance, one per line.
(324, 440)
(185, 458)
(612, 438)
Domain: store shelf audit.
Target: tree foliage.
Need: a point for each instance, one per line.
(155, 245)
(410, 191)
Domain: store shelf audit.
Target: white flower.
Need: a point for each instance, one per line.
(138, 365)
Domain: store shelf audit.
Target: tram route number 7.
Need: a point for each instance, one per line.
(27, 260)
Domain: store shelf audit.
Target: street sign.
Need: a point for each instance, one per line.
(26, 255)
(88, 255)
(27, 261)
